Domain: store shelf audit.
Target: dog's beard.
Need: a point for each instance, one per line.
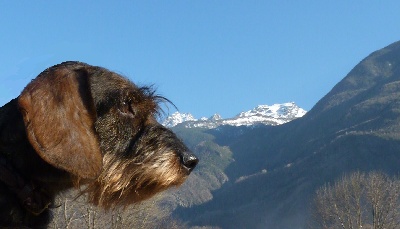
(125, 181)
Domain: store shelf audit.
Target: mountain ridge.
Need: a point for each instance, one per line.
(276, 114)
(274, 171)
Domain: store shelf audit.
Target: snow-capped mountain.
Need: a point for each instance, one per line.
(276, 114)
(177, 118)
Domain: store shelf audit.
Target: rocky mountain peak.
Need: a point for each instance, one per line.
(273, 115)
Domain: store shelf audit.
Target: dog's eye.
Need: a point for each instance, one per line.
(126, 109)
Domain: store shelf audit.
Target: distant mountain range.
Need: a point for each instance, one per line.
(265, 176)
(276, 114)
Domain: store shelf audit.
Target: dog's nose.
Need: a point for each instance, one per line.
(189, 160)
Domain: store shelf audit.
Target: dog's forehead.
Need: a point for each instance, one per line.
(107, 84)
(110, 89)
(126, 89)
(118, 82)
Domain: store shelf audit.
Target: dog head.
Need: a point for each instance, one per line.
(102, 128)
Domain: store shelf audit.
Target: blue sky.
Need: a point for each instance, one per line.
(206, 56)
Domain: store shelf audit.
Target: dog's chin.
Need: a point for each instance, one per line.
(125, 182)
(144, 193)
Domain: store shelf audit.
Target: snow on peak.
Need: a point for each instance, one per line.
(177, 118)
(215, 117)
(284, 110)
(276, 114)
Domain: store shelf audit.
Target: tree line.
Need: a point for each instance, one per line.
(359, 200)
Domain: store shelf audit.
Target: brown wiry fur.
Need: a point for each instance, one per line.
(84, 125)
(145, 179)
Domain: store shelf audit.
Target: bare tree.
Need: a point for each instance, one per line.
(65, 215)
(72, 212)
(358, 201)
(383, 197)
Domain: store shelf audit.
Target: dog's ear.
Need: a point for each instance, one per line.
(59, 118)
